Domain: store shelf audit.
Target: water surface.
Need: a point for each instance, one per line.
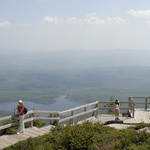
(61, 104)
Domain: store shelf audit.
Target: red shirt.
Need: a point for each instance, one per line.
(19, 110)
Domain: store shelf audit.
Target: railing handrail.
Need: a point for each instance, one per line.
(139, 97)
(77, 108)
(57, 114)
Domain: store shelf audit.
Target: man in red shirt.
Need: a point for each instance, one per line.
(20, 113)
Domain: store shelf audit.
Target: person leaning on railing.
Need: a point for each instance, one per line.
(20, 113)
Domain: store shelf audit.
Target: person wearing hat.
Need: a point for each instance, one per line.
(20, 113)
(117, 110)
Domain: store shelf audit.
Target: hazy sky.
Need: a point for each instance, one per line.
(71, 24)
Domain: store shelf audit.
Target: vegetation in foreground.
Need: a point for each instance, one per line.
(88, 136)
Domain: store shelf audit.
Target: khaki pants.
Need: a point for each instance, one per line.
(21, 123)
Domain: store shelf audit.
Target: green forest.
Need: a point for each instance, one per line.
(82, 76)
(82, 85)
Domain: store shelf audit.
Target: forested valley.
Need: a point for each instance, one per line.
(81, 75)
(82, 85)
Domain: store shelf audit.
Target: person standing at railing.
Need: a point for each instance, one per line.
(117, 110)
(20, 113)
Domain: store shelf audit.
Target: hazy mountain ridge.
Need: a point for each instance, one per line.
(64, 59)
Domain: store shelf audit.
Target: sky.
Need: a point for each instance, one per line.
(75, 24)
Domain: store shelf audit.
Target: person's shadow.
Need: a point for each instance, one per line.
(113, 121)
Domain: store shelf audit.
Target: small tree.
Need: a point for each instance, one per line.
(111, 110)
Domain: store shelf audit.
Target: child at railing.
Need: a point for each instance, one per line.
(117, 110)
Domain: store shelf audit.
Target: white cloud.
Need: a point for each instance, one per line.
(140, 13)
(114, 20)
(94, 19)
(51, 20)
(72, 20)
(4, 24)
(89, 19)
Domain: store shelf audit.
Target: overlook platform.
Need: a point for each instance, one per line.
(139, 116)
(91, 112)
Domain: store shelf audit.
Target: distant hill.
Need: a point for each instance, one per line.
(65, 59)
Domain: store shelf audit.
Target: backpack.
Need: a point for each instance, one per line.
(25, 110)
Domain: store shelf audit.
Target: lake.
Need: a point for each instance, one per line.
(61, 104)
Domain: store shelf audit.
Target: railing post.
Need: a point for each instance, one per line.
(129, 101)
(57, 121)
(96, 112)
(145, 103)
(85, 114)
(31, 123)
(72, 120)
(132, 107)
(97, 106)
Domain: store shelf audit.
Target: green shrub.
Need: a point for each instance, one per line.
(74, 137)
(87, 136)
(140, 126)
(131, 139)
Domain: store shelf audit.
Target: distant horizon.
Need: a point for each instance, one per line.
(71, 49)
(72, 59)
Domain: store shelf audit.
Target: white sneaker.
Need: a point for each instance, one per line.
(18, 133)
